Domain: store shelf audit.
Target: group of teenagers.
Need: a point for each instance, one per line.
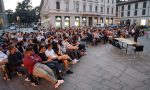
(48, 53)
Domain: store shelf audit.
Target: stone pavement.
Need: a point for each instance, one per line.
(104, 68)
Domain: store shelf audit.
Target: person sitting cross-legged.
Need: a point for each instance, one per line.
(71, 50)
(48, 61)
(33, 64)
(64, 58)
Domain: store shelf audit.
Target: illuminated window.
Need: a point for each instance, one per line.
(143, 21)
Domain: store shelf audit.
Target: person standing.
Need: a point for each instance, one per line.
(136, 34)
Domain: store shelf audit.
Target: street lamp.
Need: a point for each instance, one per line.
(18, 22)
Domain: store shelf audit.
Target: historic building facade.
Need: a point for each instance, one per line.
(68, 13)
(133, 12)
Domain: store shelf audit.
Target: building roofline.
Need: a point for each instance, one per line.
(129, 2)
(41, 4)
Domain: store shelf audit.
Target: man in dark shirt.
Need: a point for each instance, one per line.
(15, 61)
(49, 62)
(136, 33)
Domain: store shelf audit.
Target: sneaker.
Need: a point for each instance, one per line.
(73, 62)
(60, 78)
(58, 83)
(19, 74)
(6, 79)
(85, 53)
(76, 60)
(34, 84)
(69, 72)
(27, 79)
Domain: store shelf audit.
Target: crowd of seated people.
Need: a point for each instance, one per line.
(41, 54)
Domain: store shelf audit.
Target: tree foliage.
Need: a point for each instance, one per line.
(10, 15)
(25, 11)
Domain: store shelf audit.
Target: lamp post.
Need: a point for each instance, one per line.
(18, 22)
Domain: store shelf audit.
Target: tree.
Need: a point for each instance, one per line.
(10, 15)
(23, 10)
(26, 13)
(36, 14)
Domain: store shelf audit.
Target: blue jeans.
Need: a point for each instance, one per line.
(55, 65)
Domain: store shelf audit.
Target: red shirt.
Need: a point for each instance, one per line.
(30, 61)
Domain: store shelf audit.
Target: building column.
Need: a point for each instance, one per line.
(132, 21)
(87, 21)
(63, 22)
(104, 20)
(72, 21)
(98, 20)
(93, 21)
(52, 21)
(109, 20)
(81, 21)
(147, 21)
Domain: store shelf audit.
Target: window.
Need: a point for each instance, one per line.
(96, 8)
(112, 10)
(143, 21)
(144, 4)
(101, 20)
(122, 14)
(77, 7)
(135, 13)
(144, 12)
(112, 1)
(84, 7)
(96, 1)
(74, 5)
(111, 21)
(129, 6)
(108, 1)
(101, 9)
(136, 6)
(57, 5)
(122, 8)
(90, 8)
(117, 14)
(108, 10)
(116, 9)
(67, 6)
(102, 0)
(107, 21)
(128, 13)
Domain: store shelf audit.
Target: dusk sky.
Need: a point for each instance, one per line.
(11, 4)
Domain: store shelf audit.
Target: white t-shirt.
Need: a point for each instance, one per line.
(50, 53)
(66, 44)
(20, 38)
(40, 37)
(2, 56)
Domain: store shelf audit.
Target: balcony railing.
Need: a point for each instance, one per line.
(54, 11)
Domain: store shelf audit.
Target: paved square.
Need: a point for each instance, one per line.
(104, 68)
